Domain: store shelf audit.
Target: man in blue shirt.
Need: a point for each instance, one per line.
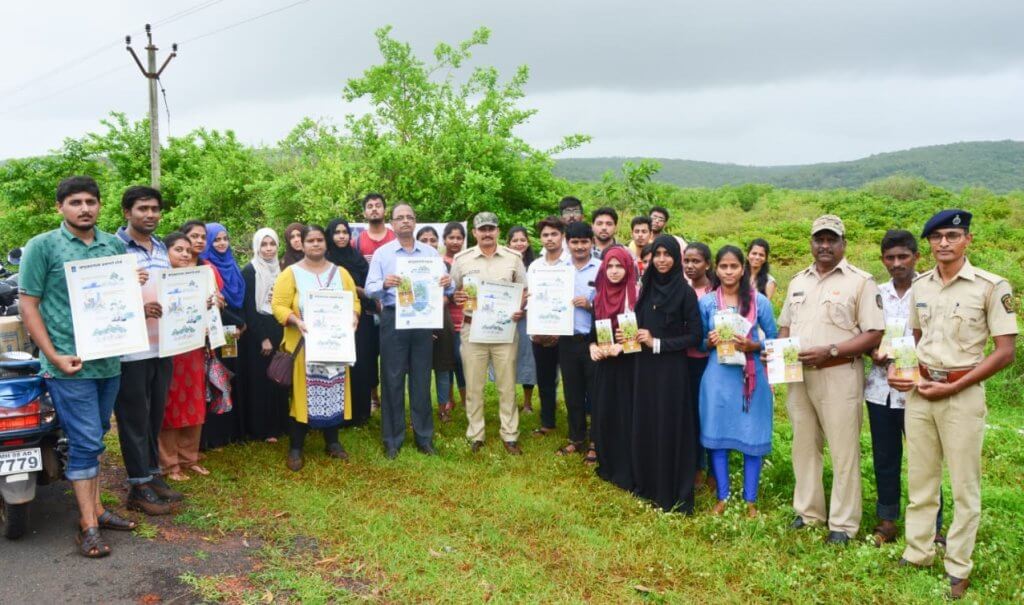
(574, 351)
(145, 376)
(405, 354)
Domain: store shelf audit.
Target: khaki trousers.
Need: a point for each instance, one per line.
(179, 448)
(475, 360)
(950, 429)
(827, 406)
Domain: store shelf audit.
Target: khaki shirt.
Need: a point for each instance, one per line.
(826, 310)
(957, 318)
(505, 264)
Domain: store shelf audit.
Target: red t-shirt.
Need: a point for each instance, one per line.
(367, 245)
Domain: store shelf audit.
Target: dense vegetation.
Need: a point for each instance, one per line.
(996, 165)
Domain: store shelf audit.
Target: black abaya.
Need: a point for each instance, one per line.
(612, 419)
(266, 405)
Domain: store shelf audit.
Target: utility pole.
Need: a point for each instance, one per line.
(152, 74)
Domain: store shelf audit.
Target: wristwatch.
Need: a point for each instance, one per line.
(833, 351)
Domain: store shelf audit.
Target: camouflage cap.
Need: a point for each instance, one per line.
(828, 222)
(485, 219)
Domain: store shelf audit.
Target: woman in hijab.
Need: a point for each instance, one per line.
(664, 435)
(266, 407)
(342, 254)
(225, 428)
(292, 245)
(613, 377)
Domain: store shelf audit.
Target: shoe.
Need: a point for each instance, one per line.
(837, 537)
(426, 449)
(477, 446)
(885, 532)
(798, 523)
(957, 587)
(294, 462)
(164, 491)
(542, 431)
(335, 450)
(940, 540)
(143, 499)
(512, 447)
(390, 452)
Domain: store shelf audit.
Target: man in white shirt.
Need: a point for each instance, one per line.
(885, 404)
(545, 348)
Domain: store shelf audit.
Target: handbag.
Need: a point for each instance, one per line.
(282, 365)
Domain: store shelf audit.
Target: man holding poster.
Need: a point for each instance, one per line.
(405, 353)
(83, 392)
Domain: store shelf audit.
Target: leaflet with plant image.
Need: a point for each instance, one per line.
(605, 335)
(895, 327)
(730, 324)
(627, 323)
(904, 356)
(784, 360)
(470, 284)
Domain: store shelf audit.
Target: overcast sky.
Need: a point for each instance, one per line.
(743, 81)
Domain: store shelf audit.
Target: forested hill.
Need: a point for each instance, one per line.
(996, 165)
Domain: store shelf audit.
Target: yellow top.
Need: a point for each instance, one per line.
(505, 264)
(825, 310)
(957, 318)
(284, 303)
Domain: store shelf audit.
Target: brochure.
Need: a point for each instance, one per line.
(783, 360)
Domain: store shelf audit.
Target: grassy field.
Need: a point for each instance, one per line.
(468, 528)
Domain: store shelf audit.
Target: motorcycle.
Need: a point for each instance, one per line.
(33, 450)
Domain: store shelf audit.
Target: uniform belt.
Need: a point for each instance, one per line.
(831, 363)
(936, 375)
(467, 319)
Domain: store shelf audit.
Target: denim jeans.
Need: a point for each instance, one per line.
(84, 406)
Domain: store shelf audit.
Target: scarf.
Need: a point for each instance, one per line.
(234, 284)
(612, 299)
(291, 256)
(266, 270)
(749, 369)
(347, 258)
(665, 289)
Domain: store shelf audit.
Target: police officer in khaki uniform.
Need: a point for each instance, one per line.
(490, 261)
(954, 308)
(836, 311)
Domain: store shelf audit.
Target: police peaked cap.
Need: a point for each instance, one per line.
(945, 219)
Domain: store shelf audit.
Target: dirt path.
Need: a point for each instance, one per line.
(44, 566)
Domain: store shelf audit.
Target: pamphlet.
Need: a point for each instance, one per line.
(627, 323)
(230, 348)
(904, 354)
(895, 327)
(730, 324)
(469, 286)
(783, 360)
(605, 336)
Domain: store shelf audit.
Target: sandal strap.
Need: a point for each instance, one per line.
(90, 539)
(111, 520)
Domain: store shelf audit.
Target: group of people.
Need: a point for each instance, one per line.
(660, 422)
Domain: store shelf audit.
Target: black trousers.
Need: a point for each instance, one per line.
(139, 410)
(297, 432)
(405, 355)
(887, 434)
(577, 382)
(546, 359)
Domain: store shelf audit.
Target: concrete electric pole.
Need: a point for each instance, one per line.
(152, 74)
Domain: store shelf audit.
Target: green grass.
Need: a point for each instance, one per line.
(539, 528)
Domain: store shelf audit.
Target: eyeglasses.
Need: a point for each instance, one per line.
(950, 236)
(572, 212)
(405, 217)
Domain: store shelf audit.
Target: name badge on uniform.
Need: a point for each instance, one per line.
(795, 294)
(921, 305)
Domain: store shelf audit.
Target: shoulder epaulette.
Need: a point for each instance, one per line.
(465, 252)
(923, 275)
(988, 276)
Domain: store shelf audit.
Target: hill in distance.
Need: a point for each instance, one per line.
(995, 165)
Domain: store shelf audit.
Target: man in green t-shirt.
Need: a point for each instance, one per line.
(83, 393)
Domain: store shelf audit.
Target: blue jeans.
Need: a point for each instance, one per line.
(84, 406)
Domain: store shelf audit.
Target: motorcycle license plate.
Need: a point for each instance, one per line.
(21, 461)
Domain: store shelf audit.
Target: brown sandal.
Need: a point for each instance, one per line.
(91, 544)
(591, 457)
(571, 448)
(114, 521)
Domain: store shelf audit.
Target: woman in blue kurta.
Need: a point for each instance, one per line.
(736, 400)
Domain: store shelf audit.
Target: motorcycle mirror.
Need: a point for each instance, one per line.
(14, 257)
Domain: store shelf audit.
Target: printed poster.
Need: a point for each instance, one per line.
(492, 321)
(330, 336)
(183, 294)
(419, 303)
(784, 360)
(106, 307)
(550, 310)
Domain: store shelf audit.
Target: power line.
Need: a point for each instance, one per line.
(244, 21)
(73, 86)
(188, 12)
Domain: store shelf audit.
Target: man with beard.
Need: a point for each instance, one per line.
(604, 222)
(366, 242)
(83, 392)
(835, 310)
(488, 261)
(145, 377)
(405, 354)
(545, 348)
(659, 220)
